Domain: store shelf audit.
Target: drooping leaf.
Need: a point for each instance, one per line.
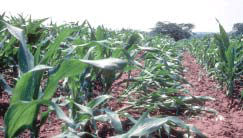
(145, 126)
(17, 33)
(26, 59)
(102, 118)
(115, 121)
(61, 114)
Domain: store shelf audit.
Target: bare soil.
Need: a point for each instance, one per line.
(229, 121)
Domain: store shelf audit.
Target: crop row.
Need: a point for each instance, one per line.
(221, 56)
(79, 56)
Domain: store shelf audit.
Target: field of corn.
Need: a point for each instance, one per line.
(70, 70)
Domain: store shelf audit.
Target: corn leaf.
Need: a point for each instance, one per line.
(61, 115)
(24, 89)
(224, 36)
(20, 116)
(108, 64)
(98, 100)
(146, 126)
(133, 39)
(53, 47)
(84, 109)
(67, 68)
(26, 59)
(150, 49)
(27, 87)
(4, 85)
(115, 121)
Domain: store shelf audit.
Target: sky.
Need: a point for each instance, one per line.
(132, 14)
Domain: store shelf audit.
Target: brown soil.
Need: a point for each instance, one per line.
(229, 121)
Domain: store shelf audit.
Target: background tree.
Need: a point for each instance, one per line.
(238, 28)
(176, 31)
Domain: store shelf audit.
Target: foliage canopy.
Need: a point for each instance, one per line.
(176, 31)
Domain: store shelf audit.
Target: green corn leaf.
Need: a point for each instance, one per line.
(98, 100)
(145, 126)
(100, 33)
(89, 53)
(24, 89)
(19, 116)
(182, 124)
(68, 68)
(130, 118)
(17, 33)
(102, 118)
(37, 55)
(5, 86)
(26, 59)
(135, 128)
(167, 129)
(232, 61)
(61, 115)
(44, 116)
(27, 87)
(40, 68)
(115, 121)
(53, 47)
(84, 109)
(92, 33)
(133, 39)
(224, 36)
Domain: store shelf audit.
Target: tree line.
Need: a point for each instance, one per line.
(184, 30)
(174, 30)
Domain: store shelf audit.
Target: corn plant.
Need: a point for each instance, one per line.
(221, 57)
(229, 58)
(87, 114)
(28, 97)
